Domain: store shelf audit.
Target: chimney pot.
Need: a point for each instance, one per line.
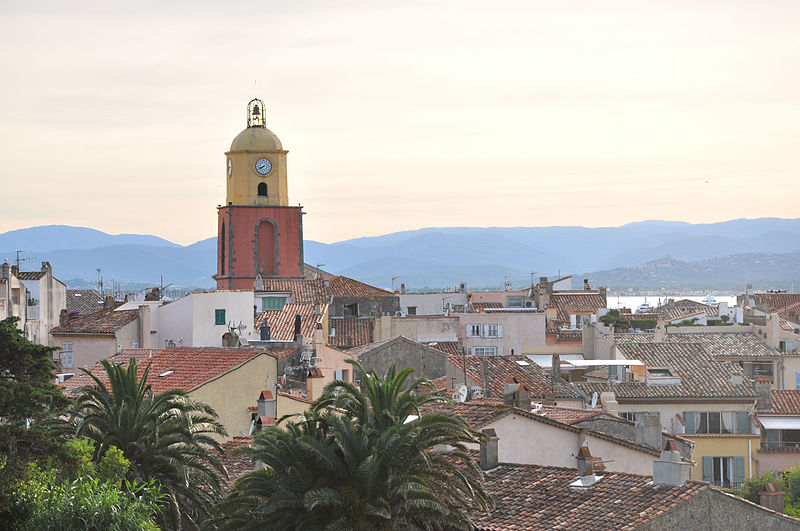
(772, 496)
(585, 461)
(670, 468)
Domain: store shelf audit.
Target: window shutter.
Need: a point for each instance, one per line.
(738, 471)
(742, 422)
(688, 419)
(708, 469)
(485, 331)
(219, 317)
(338, 375)
(499, 330)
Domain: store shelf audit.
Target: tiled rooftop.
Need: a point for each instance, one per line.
(567, 415)
(573, 302)
(281, 322)
(103, 322)
(181, 368)
(83, 301)
(539, 497)
(479, 307)
(504, 369)
(685, 307)
(701, 375)
(448, 347)
(350, 331)
(785, 401)
(307, 291)
(341, 286)
(236, 464)
(31, 275)
(722, 344)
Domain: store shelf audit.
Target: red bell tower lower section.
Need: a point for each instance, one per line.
(254, 240)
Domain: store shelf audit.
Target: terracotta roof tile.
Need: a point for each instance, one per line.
(103, 322)
(236, 464)
(538, 497)
(567, 415)
(701, 374)
(721, 344)
(281, 322)
(307, 291)
(83, 301)
(31, 275)
(503, 369)
(479, 307)
(785, 401)
(348, 332)
(341, 286)
(571, 302)
(182, 368)
(684, 307)
(450, 348)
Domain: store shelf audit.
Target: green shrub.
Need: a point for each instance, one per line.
(752, 486)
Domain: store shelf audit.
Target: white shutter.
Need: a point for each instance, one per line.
(485, 330)
(338, 375)
(499, 330)
(499, 350)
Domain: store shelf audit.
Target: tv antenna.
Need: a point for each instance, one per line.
(20, 259)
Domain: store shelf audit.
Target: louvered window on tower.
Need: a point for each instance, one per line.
(262, 189)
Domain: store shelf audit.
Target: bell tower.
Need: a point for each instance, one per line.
(258, 232)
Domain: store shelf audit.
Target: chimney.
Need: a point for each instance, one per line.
(648, 431)
(63, 317)
(556, 368)
(108, 302)
(609, 403)
(670, 469)
(489, 450)
(402, 289)
(314, 384)
(586, 284)
(267, 404)
(297, 325)
(659, 334)
(764, 401)
(585, 461)
(517, 395)
(773, 330)
(265, 333)
(603, 292)
(771, 496)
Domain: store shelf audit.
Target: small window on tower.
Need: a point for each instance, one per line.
(262, 189)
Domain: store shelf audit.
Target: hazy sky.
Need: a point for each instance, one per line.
(401, 115)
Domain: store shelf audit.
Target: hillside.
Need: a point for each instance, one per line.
(722, 255)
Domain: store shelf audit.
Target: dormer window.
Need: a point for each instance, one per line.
(660, 372)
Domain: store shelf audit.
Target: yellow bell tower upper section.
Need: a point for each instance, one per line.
(256, 164)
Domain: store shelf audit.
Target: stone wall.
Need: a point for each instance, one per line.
(405, 353)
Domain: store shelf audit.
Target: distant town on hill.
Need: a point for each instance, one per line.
(646, 255)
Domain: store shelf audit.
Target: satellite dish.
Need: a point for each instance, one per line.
(594, 400)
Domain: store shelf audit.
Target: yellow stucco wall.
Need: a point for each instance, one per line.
(724, 446)
(242, 183)
(232, 393)
(289, 406)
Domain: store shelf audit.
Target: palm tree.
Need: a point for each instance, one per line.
(165, 436)
(372, 463)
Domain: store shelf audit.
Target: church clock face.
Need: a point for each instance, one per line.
(263, 166)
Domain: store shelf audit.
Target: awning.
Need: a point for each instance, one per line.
(780, 423)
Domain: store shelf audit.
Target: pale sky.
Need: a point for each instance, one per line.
(402, 115)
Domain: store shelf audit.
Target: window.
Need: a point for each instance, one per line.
(351, 310)
(262, 189)
(725, 472)
(66, 354)
(491, 330)
(219, 317)
(222, 250)
(659, 373)
(458, 308)
(484, 351)
(716, 422)
(272, 303)
(411, 310)
(473, 330)
(634, 416)
(14, 295)
(515, 302)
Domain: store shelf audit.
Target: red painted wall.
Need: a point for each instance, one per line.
(250, 244)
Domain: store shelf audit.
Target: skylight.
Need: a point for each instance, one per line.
(522, 362)
(166, 373)
(660, 373)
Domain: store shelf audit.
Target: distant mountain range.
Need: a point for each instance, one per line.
(649, 254)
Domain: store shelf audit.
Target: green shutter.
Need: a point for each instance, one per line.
(273, 303)
(219, 317)
(708, 469)
(742, 422)
(688, 419)
(738, 471)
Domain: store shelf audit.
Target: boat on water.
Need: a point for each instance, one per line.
(710, 300)
(644, 307)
